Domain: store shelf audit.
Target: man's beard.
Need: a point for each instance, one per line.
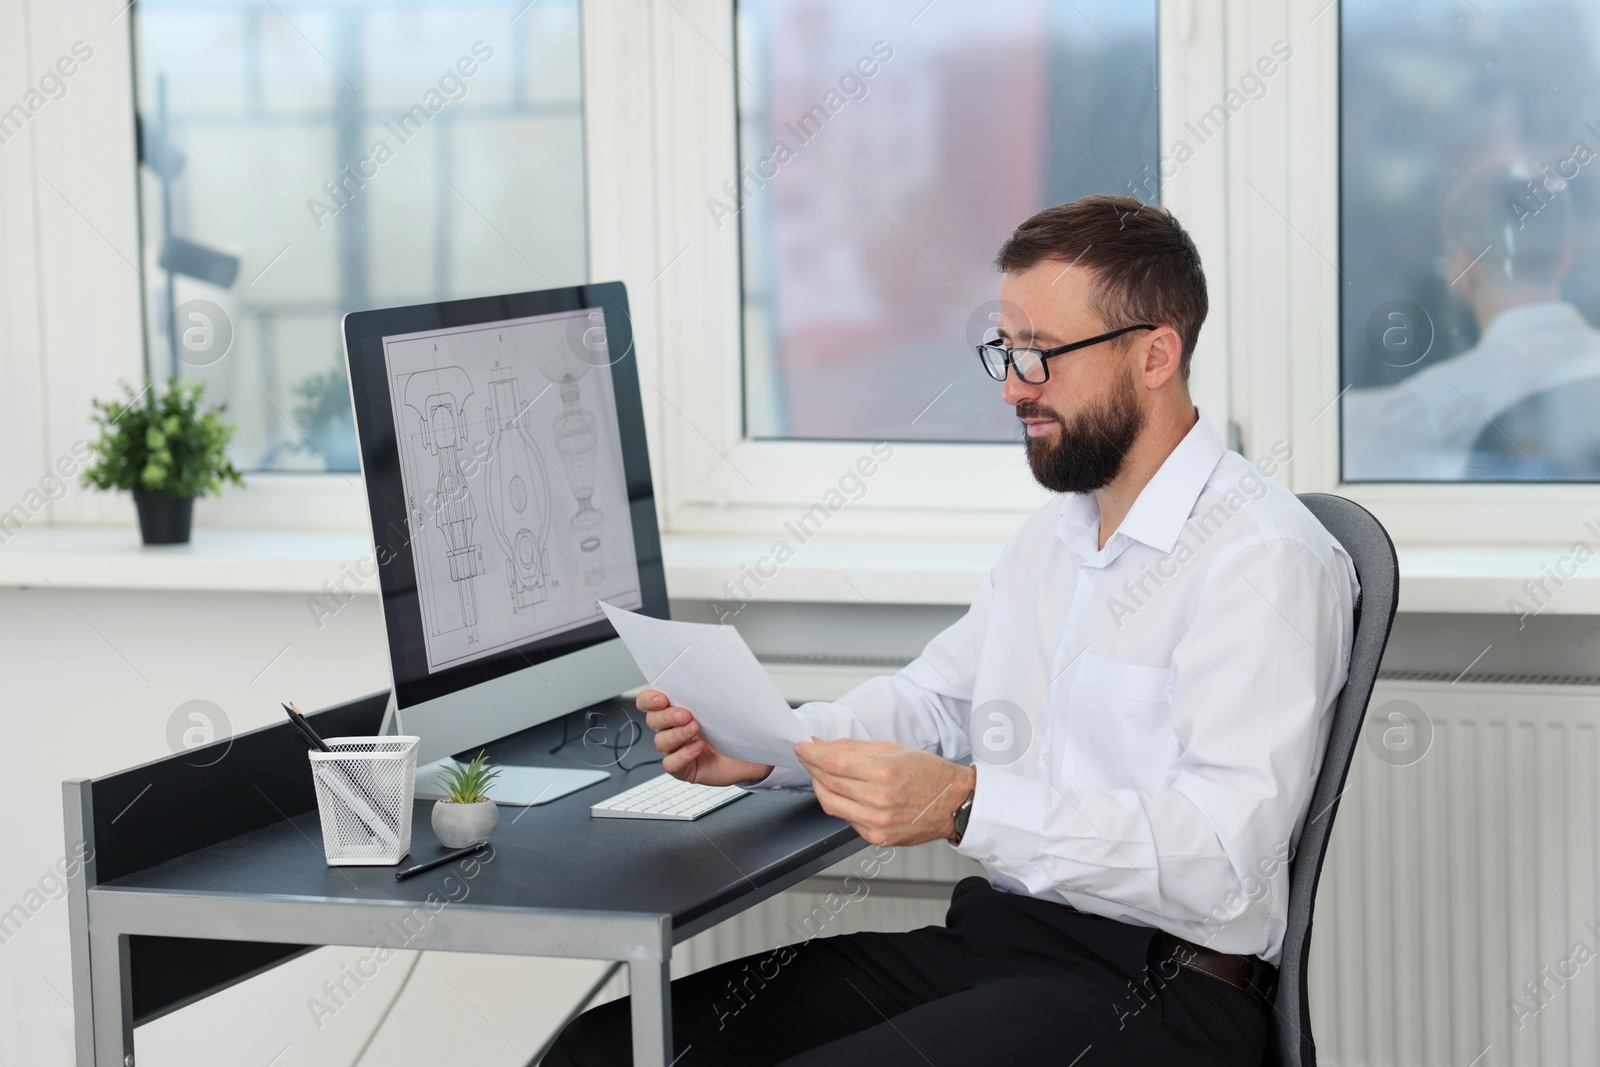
(1088, 454)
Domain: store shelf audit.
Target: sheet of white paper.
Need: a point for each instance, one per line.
(713, 673)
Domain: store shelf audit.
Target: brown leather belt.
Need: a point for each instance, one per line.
(1251, 975)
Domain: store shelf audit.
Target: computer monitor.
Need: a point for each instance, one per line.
(503, 450)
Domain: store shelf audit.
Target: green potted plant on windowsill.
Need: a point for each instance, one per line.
(466, 816)
(323, 414)
(166, 450)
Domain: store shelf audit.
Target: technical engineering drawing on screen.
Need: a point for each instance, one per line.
(511, 462)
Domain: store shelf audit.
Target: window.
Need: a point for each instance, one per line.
(1470, 260)
(301, 160)
(886, 151)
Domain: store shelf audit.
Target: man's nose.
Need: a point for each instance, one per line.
(1015, 390)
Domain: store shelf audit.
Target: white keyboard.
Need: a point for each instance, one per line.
(666, 797)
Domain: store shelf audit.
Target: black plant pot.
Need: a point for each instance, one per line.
(164, 519)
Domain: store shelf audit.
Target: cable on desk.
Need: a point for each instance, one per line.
(614, 744)
(588, 998)
(404, 981)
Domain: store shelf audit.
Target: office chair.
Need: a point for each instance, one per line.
(1289, 1042)
(1549, 436)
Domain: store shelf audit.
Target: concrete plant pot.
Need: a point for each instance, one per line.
(460, 825)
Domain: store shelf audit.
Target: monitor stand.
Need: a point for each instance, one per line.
(519, 787)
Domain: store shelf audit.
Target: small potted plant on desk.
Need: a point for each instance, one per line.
(166, 450)
(466, 816)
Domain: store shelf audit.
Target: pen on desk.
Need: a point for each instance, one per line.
(439, 861)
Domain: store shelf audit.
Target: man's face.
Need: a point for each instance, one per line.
(1081, 423)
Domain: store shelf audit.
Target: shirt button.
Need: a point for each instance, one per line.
(1046, 758)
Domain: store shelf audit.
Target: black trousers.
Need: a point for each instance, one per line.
(1007, 980)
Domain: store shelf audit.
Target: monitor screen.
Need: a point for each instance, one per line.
(503, 450)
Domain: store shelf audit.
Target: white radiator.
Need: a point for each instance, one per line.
(1458, 886)
(1455, 878)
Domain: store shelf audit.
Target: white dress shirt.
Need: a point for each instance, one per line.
(1425, 427)
(1151, 715)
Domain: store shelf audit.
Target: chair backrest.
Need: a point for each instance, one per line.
(1289, 1043)
(1551, 436)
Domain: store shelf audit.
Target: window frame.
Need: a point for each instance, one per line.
(660, 139)
(718, 480)
(75, 240)
(659, 103)
(1276, 263)
(107, 199)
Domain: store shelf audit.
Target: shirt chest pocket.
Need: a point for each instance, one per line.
(1119, 726)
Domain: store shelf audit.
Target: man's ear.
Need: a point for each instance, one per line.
(1163, 357)
(1459, 267)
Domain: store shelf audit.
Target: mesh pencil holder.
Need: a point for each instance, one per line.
(365, 786)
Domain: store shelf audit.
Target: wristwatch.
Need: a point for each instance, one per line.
(963, 813)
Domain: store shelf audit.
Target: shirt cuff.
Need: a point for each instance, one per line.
(998, 823)
(790, 779)
(780, 778)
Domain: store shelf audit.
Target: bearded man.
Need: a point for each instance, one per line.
(1124, 730)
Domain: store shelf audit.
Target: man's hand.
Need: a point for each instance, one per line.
(688, 756)
(890, 794)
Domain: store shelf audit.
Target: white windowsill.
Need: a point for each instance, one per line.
(1434, 578)
(240, 561)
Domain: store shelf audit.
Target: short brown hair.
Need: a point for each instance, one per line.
(1506, 204)
(1144, 264)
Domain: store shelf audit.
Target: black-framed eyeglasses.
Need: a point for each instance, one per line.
(1030, 362)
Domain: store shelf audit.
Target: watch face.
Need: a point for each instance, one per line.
(963, 813)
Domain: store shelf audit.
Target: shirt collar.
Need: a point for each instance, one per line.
(1523, 318)
(1163, 505)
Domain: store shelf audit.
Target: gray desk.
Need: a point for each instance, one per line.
(206, 868)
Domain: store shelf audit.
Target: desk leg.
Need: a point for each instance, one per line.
(112, 1007)
(77, 802)
(650, 987)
